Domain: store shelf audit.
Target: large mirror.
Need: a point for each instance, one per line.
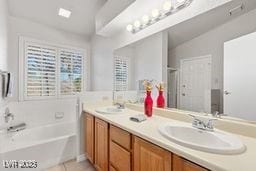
(207, 67)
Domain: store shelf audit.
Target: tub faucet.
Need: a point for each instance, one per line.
(16, 128)
(8, 115)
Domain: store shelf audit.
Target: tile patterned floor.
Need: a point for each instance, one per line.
(72, 165)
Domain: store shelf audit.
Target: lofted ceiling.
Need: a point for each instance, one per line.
(196, 26)
(82, 20)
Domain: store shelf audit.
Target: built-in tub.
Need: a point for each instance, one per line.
(47, 145)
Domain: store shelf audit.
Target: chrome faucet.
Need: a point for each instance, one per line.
(217, 114)
(116, 103)
(120, 105)
(7, 115)
(200, 124)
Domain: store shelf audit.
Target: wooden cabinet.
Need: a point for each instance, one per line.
(111, 148)
(181, 164)
(121, 137)
(101, 145)
(89, 137)
(150, 157)
(119, 149)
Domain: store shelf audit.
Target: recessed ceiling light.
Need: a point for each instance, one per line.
(64, 13)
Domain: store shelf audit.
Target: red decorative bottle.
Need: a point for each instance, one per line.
(160, 100)
(148, 104)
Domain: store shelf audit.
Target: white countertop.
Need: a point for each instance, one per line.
(148, 130)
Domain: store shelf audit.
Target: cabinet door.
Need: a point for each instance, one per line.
(89, 137)
(101, 145)
(180, 164)
(150, 157)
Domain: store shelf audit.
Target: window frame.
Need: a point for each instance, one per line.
(23, 42)
(128, 72)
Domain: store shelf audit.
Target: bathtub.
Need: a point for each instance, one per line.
(43, 146)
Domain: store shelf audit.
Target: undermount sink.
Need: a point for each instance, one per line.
(216, 141)
(109, 110)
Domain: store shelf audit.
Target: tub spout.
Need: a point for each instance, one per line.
(17, 127)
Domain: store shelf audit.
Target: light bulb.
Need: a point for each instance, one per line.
(145, 19)
(129, 28)
(167, 6)
(155, 13)
(137, 24)
(180, 1)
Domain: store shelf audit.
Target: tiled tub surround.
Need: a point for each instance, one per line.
(148, 130)
(41, 112)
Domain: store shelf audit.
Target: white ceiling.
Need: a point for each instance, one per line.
(82, 20)
(196, 26)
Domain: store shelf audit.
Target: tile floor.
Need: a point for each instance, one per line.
(72, 165)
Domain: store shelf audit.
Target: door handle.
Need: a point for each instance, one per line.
(227, 92)
(183, 94)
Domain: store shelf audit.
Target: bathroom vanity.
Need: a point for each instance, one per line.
(114, 142)
(109, 147)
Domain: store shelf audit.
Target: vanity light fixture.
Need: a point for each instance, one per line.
(64, 13)
(180, 1)
(137, 24)
(155, 13)
(145, 19)
(129, 28)
(169, 7)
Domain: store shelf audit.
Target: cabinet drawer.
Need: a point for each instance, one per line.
(120, 158)
(120, 137)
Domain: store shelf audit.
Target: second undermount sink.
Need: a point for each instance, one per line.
(218, 142)
(109, 110)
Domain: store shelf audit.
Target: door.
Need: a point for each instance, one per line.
(195, 84)
(239, 77)
(149, 157)
(172, 88)
(89, 137)
(101, 145)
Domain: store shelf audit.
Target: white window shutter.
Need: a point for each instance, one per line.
(71, 72)
(121, 73)
(40, 76)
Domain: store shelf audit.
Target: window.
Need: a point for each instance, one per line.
(70, 72)
(51, 71)
(40, 71)
(121, 73)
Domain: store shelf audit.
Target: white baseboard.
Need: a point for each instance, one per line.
(81, 158)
